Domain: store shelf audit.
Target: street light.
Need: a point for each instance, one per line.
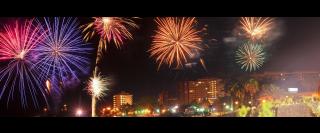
(79, 112)
(249, 102)
(163, 111)
(148, 111)
(236, 102)
(45, 109)
(174, 111)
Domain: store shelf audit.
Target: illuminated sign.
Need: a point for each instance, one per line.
(293, 90)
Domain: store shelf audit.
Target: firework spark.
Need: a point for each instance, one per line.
(62, 53)
(48, 85)
(97, 87)
(109, 29)
(203, 64)
(250, 56)
(256, 27)
(175, 41)
(16, 45)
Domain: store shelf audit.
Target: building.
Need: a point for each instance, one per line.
(122, 98)
(163, 97)
(167, 100)
(199, 90)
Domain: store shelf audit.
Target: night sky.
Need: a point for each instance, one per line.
(296, 46)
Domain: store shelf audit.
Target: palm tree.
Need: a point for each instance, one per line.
(235, 91)
(126, 108)
(251, 87)
(239, 94)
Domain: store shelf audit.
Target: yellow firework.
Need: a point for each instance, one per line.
(109, 29)
(175, 41)
(256, 27)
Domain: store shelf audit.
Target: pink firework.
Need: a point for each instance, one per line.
(16, 47)
(109, 29)
(18, 39)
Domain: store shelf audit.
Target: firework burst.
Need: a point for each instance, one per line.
(61, 56)
(175, 41)
(109, 29)
(17, 42)
(250, 56)
(62, 53)
(256, 27)
(97, 87)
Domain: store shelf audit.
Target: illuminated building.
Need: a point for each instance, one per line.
(199, 90)
(120, 99)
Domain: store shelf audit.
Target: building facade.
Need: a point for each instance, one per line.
(122, 98)
(208, 89)
(165, 99)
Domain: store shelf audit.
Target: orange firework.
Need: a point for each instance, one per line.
(175, 41)
(256, 27)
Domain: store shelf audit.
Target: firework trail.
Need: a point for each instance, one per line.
(203, 64)
(97, 87)
(109, 29)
